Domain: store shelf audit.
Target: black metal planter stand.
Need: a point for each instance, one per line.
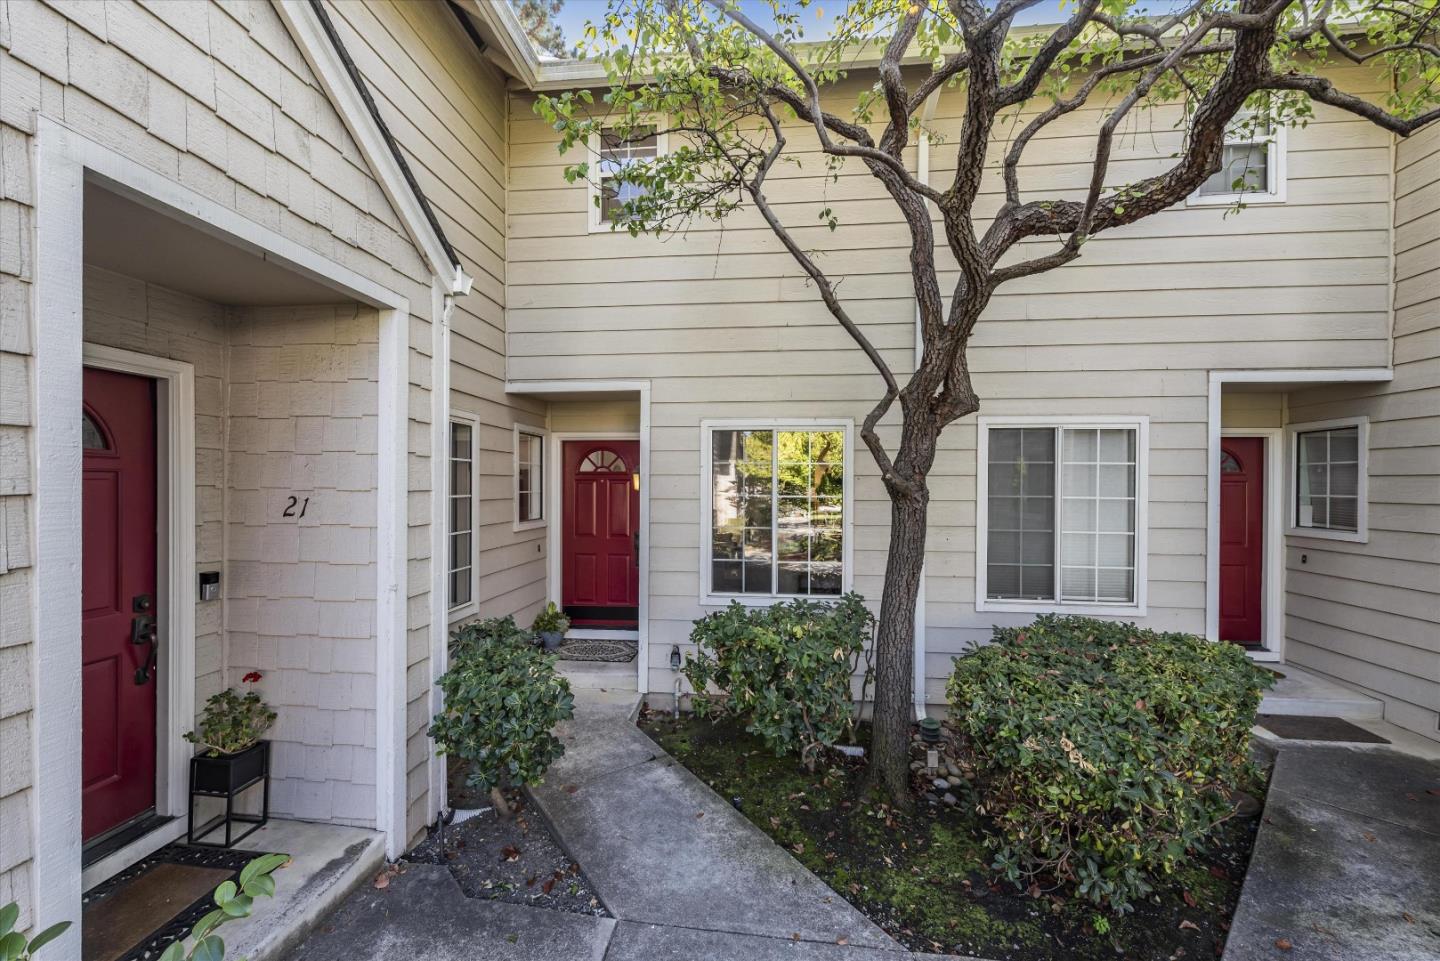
(228, 776)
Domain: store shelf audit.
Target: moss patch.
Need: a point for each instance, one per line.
(924, 876)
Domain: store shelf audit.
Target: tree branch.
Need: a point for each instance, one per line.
(827, 293)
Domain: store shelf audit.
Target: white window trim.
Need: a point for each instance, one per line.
(1141, 425)
(1361, 534)
(592, 182)
(471, 607)
(847, 527)
(1275, 174)
(516, 523)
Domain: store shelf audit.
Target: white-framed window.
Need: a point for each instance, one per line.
(460, 563)
(1329, 483)
(529, 471)
(1252, 168)
(776, 509)
(611, 153)
(1061, 506)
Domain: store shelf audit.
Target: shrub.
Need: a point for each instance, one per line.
(785, 670)
(1104, 752)
(232, 722)
(550, 620)
(502, 698)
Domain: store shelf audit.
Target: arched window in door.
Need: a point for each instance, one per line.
(603, 461)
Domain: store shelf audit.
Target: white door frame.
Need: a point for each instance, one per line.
(553, 497)
(1272, 568)
(555, 511)
(175, 582)
(1214, 430)
(64, 162)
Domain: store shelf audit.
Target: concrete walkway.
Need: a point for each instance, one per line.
(686, 874)
(1347, 863)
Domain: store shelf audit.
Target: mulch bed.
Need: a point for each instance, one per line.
(515, 860)
(924, 876)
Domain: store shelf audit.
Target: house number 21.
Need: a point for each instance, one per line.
(295, 507)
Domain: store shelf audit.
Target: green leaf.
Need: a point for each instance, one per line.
(224, 893)
(12, 946)
(48, 935)
(9, 914)
(209, 949)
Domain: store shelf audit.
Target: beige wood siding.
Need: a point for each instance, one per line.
(447, 107)
(724, 325)
(1369, 614)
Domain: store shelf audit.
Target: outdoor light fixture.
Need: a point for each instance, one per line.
(675, 657)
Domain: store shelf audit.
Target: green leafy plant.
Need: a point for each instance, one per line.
(13, 944)
(233, 900)
(1105, 753)
(503, 697)
(232, 722)
(550, 620)
(787, 670)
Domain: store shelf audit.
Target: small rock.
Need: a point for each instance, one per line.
(1245, 805)
(950, 799)
(941, 784)
(917, 765)
(952, 769)
(930, 796)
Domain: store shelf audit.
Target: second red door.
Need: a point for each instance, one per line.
(1242, 538)
(600, 571)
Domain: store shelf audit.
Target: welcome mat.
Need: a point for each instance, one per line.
(1306, 727)
(135, 915)
(596, 650)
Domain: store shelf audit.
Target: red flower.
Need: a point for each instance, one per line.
(252, 677)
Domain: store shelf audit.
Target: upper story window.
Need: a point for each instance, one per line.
(1330, 479)
(615, 153)
(1252, 168)
(1061, 515)
(461, 566)
(529, 477)
(778, 508)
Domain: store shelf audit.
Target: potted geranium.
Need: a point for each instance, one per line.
(551, 624)
(233, 755)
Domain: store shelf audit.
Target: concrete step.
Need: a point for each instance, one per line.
(600, 675)
(1301, 692)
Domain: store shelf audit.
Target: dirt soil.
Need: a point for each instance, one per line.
(924, 876)
(516, 860)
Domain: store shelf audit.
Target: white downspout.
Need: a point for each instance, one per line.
(922, 165)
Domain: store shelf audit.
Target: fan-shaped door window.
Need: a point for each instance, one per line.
(604, 461)
(1228, 463)
(92, 435)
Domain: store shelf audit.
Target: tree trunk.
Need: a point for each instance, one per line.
(895, 633)
(502, 806)
(895, 650)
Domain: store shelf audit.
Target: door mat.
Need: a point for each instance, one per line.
(135, 915)
(593, 650)
(1305, 727)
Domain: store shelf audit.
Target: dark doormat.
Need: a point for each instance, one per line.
(596, 650)
(135, 915)
(1306, 727)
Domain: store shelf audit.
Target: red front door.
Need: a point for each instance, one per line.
(601, 518)
(118, 601)
(1242, 538)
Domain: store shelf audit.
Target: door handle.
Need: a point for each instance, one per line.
(143, 631)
